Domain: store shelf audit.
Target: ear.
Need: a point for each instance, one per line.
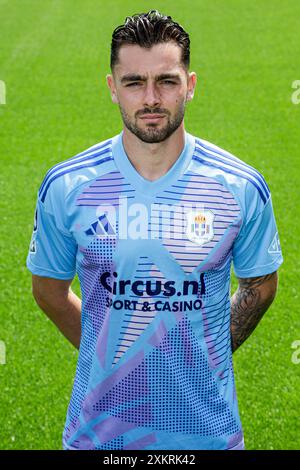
(111, 85)
(192, 80)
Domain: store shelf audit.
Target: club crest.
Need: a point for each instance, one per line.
(199, 227)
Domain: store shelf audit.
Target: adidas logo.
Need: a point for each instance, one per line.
(102, 226)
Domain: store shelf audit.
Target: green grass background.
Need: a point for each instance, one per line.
(54, 56)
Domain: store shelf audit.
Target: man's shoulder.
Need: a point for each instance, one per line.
(80, 168)
(232, 171)
(212, 154)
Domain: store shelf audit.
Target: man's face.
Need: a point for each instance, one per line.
(151, 87)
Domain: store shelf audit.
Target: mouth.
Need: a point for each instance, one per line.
(152, 117)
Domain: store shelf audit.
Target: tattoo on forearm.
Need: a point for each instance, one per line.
(248, 306)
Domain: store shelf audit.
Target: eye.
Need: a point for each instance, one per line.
(133, 84)
(168, 82)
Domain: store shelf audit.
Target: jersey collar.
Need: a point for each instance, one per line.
(142, 184)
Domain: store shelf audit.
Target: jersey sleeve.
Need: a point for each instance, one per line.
(256, 251)
(52, 251)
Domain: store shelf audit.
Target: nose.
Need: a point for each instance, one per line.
(151, 97)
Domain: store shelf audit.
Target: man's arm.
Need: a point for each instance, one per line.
(61, 305)
(248, 305)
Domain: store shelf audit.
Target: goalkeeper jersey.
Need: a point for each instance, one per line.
(154, 261)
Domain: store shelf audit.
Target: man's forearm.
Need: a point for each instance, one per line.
(65, 313)
(248, 305)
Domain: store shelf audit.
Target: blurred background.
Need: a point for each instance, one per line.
(54, 103)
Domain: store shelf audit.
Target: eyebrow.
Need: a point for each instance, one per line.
(142, 78)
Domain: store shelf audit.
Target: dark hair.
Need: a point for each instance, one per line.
(147, 29)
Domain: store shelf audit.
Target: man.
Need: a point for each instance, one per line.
(151, 220)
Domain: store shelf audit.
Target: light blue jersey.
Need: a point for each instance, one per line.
(153, 259)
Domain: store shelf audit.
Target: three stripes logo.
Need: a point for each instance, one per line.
(101, 227)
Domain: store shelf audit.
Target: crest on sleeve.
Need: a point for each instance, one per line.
(274, 247)
(32, 248)
(200, 227)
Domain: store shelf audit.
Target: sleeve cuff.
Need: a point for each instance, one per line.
(259, 270)
(44, 272)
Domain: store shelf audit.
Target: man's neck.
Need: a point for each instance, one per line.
(153, 160)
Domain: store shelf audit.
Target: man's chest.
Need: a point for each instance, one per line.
(190, 224)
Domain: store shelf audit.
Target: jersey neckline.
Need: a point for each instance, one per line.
(140, 183)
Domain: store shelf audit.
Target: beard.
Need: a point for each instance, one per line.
(154, 134)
